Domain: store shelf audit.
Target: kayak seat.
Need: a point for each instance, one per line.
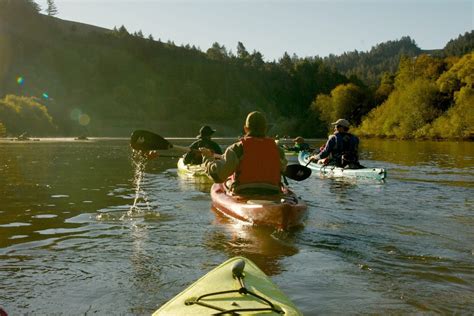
(354, 165)
(252, 189)
(257, 189)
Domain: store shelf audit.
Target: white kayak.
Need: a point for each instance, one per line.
(338, 172)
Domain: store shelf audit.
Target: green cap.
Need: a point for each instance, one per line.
(256, 123)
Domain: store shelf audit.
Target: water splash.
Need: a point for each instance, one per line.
(136, 210)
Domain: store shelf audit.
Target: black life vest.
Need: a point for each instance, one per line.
(346, 151)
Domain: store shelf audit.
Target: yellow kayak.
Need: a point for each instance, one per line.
(191, 170)
(235, 287)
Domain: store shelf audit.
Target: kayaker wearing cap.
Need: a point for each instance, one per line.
(203, 141)
(254, 163)
(299, 145)
(341, 149)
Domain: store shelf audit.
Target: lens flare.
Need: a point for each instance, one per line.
(75, 114)
(20, 80)
(84, 119)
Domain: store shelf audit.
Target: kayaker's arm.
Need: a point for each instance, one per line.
(283, 160)
(328, 148)
(219, 170)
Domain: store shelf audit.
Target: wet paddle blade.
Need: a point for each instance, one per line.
(297, 172)
(146, 141)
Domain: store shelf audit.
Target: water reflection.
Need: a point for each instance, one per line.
(187, 183)
(443, 154)
(404, 246)
(342, 187)
(263, 245)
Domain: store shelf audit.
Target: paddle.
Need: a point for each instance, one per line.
(297, 172)
(146, 141)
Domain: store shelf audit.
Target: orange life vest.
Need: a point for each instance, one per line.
(260, 162)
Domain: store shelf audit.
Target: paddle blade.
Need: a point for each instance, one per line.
(297, 172)
(145, 140)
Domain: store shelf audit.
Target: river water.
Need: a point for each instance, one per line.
(83, 230)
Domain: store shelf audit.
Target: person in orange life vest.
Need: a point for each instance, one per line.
(254, 163)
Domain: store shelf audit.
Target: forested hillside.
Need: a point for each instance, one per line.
(110, 82)
(369, 66)
(61, 78)
(460, 46)
(432, 97)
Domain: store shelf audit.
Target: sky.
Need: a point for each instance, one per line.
(272, 27)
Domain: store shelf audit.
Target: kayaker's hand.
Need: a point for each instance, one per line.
(324, 161)
(314, 158)
(206, 152)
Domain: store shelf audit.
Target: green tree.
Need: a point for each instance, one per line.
(460, 46)
(324, 106)
(459, 75)
(242, 52)
(458, 121)
(404, 113)
(423, 66)
(256, 59)
(286, 63)
(387, 84)
(51, 10)
(345, 101)
(217, 52)
(25, 114)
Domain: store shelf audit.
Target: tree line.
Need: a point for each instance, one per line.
(108, 82)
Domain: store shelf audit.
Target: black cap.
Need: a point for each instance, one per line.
(205, 131)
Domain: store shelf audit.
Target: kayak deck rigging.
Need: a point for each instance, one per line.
(235, 287)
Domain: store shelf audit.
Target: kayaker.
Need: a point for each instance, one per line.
(341, 149)
(253, 164)
(299, 145)
(203, 141)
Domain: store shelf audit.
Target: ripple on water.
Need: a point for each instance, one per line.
(44, 216)
(126, 212)
(18, 236)
(16, 224)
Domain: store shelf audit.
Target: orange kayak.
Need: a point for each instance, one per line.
(281, 211)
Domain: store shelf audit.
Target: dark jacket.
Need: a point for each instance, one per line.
(343, 148)
(207, 143)
(194, 156)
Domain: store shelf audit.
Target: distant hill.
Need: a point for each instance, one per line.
(369, 66)
(86, 80)
(460, 46)
(102, 82)
(66, 26)
(385, 57)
